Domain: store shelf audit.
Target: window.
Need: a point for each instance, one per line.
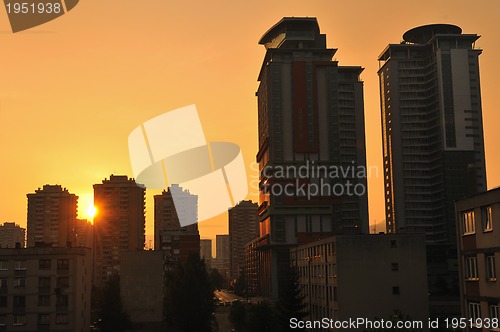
(19, 301)
(62, 282)
(474, 311)
(394, 266)
(3, 283)
(4, 265)
(20, 265)
(394, 244)
(468, 224)
(43, 282)
(3, 320)
(19, 320)
(493, 310)
(62, 300)
(20, 282)
(61, 318)
(63, 264)
(3, 301)
(491, 273)
(395, 290)
(43, 300)
(45, 264)
(471, 268)
(43, 319)
(487, 218)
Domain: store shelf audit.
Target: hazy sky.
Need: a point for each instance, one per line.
(73, 89)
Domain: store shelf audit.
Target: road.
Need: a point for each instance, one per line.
(222, 310)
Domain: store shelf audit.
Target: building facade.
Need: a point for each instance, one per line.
(243, 227)
(311, 146)
(222, 258)
(11, 234)
(433, 147)
(173, 208)
(364, 276)
(478, 226)
(45, 289)
(119, 224)
(52, 215)
(206, 251)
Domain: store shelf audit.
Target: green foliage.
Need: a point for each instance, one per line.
(189, 297)
(257, 318)
(216, 279)
(111, 313)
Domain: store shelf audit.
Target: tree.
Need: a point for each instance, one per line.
(291, 302)
(112, 315)
(261, 318)
(189, 297)
(216, 279)
(240, 285)
(237, 316)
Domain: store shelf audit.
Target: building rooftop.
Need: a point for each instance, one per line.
(424, 33)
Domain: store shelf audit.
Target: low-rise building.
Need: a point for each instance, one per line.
(364, 276)
(12, 235)
(478, 227)
(45, 289)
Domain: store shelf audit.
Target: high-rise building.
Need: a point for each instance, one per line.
(83, 233)
(206, 251)
(311, 146)
(51, 216)
(432, 129)
(173, 208)
(222, 255)
(119, 223)
(243, 227)
(11, 234)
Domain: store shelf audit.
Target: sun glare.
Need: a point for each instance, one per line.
(91, 212)
(86, 208)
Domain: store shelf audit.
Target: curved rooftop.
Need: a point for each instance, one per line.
(287, 23)
(422, 34)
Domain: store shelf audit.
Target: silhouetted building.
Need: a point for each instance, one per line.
(243, 227)
(51, 216)
(433, 147)
(206, 251)
(141, 288)
(84, 233)
(311, 146)
(45, 289)
(222, 258)
(10, 234)
(478, 226)
(364, 276)
(172, 207)
(119, 223)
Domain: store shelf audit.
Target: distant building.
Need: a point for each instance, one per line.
(478, 225)
(51, 216)
(206, 251)
(433, 143)
(243, 227)
(10, 234)
(141, 286)
(119, 223)
(252, 268)
(172, 207)
(222, 256)
(311, 121)
(84, 233)
(364, 276)
(45, 289)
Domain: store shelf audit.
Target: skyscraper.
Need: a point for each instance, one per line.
(222, 255)
(51, 216)
(243, 227)
(311, 125)
(432, 128)
(206, 251)
(173, 207)
(119, 223)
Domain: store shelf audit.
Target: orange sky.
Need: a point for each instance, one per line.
(73, 89)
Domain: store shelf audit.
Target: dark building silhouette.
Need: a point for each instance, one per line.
(310, 116)
(433, 147)
(52, 215)
(119, 223)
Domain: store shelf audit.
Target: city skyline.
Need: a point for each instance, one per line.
(145, 81)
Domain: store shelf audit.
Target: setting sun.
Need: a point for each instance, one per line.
(90, 212)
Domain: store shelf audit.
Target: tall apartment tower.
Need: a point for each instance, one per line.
(119, 223)
(432, 129)
(311, 119)
(222, 255)
(12, 235)
(243, 227)
(52, 215)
